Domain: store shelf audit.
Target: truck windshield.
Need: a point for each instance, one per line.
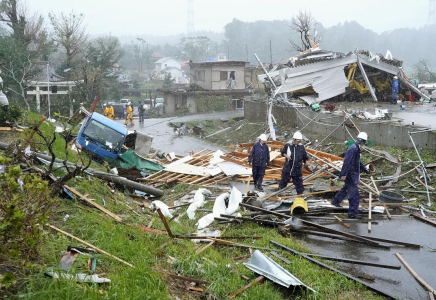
(104, 135)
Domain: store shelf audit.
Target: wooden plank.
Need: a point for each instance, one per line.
(425, 220)
(387, 212)
(192, 288)
(259, 280)
(420, 181)
(109, 213)
(154, 154)
(10, 129)
(415, 275)
(342, 222)
(375, 186)
(90, 245)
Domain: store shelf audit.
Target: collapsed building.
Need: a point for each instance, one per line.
(317, 75)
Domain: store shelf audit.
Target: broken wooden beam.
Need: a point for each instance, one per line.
(90, 245)
(164, 221)
(342, 222)
(87, 200)
(424, 219)
(259, 280)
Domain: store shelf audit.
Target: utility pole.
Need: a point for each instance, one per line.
(228, 52)
(246, 50)
(48, 90)
(270, 51)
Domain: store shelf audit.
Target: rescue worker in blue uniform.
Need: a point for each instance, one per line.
(296, 156)
(141, 112)
(395, 90)
(350, 173)
(259, 159)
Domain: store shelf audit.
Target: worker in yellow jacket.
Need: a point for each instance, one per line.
(105, 110)
(129, 114)
(111, 112)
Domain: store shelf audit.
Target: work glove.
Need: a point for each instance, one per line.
(249, 163)
(343, 178)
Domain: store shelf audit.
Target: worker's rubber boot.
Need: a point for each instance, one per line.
(133, 123)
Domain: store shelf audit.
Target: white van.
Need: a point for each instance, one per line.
(159, 102)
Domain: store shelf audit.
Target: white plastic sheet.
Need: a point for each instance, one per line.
(220, 207)
(197, 202)
(163, 208)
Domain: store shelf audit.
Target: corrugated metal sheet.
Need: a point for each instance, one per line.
(263, 265)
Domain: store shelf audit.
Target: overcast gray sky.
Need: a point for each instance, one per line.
(166, 17)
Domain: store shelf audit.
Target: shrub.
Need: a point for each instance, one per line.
(9, 114)
(24, 206)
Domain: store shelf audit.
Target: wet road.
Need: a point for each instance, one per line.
(398, 283)
(163, 135)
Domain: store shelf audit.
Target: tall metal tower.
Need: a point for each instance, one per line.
(190, 28)
(431, 13)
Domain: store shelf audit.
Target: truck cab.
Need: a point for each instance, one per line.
(102, 136)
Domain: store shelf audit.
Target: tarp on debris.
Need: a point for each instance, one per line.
(128, 159)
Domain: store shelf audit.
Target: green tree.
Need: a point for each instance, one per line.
(168, 81)
(70, 37)
(97, 73)
(22, 48)
(423, 71)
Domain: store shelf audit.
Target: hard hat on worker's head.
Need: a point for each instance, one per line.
(395, 77)
(129, 103)
(297, 135)
(363, 136)
(262, 137)
(105, 104)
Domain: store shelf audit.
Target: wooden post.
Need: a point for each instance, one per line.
(369, 212)
(415, 275)
(89, 245)
(258, 280)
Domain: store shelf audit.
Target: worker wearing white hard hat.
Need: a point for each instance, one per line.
(296, 156)
(259, 159)
(350, 173)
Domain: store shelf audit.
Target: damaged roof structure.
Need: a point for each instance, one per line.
(319, 75)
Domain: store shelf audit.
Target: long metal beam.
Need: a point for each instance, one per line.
(334, 270)
(365, 77)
